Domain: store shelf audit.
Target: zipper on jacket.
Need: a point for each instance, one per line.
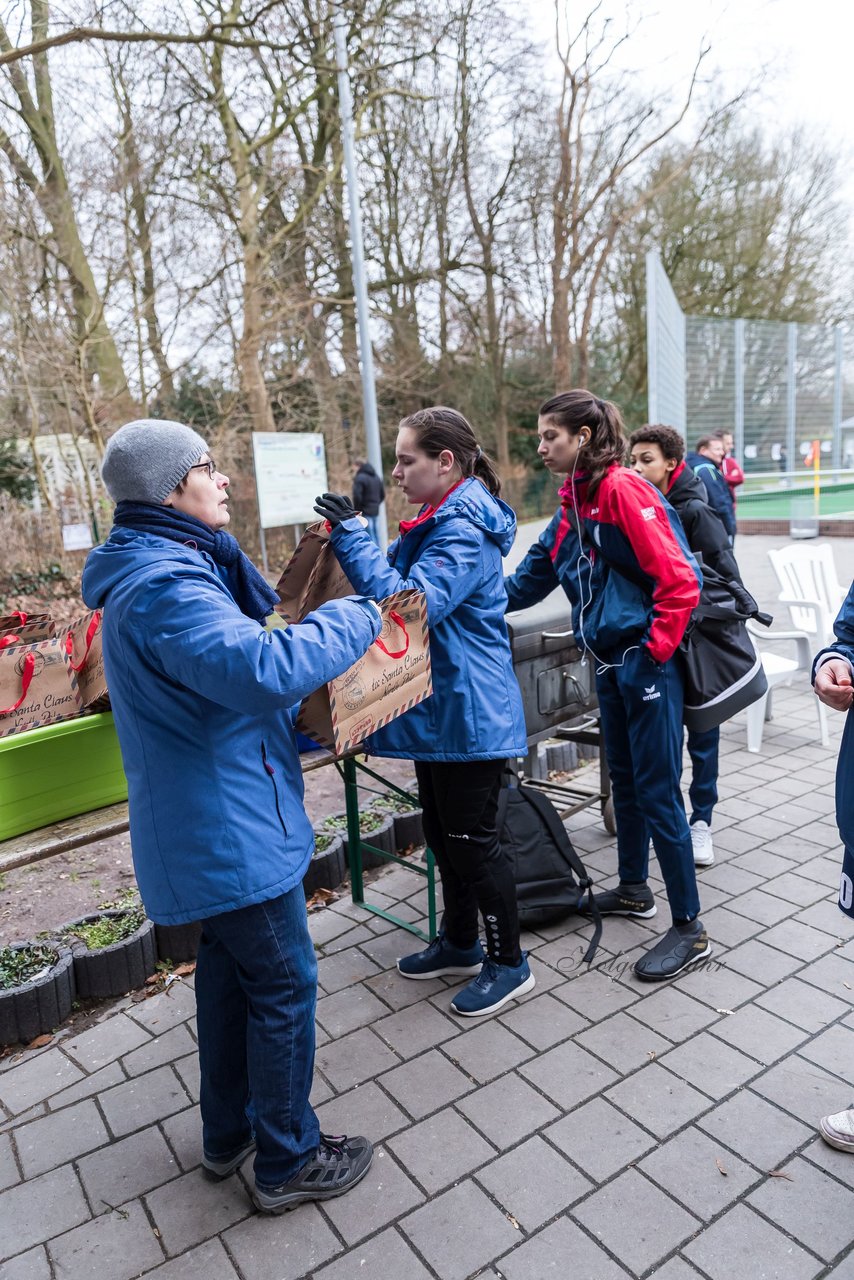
(271, 773)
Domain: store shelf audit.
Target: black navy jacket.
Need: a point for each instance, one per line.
(717, 489)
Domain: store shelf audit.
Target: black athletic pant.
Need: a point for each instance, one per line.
(460, 801)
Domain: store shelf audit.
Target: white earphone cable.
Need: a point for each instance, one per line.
(584, 558)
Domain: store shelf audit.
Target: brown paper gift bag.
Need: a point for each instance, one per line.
(18, 627)
(389, 679)
(312, 575)
(37, 686)
(85, 657)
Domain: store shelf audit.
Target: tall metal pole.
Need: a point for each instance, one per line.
(738, 420)
(360, 286)
(836, 453)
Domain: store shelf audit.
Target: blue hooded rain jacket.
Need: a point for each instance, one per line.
(454, 557)
(201, 697)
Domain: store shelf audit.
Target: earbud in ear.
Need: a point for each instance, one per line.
(583, 440)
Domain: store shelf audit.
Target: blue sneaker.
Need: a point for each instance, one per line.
(493, 987)
(442, 960)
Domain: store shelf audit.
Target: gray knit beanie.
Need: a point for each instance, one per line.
(145, 460)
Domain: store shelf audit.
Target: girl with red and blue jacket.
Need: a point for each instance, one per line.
(461, 737)
(617, 549)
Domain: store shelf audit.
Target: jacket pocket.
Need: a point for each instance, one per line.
(271, 774)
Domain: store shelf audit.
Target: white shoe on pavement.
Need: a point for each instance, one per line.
(838, 1130)
(701, 839)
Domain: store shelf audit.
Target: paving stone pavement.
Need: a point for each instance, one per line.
(598, 1129)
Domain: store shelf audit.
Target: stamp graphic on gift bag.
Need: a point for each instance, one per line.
(353, 692)
(32, 663)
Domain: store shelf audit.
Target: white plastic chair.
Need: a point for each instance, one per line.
(779, 670)
(810, 588)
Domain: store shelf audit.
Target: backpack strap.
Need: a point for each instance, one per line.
(557, 832)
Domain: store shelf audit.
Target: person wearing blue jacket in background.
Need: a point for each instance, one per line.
(833, 678)
(617, 549)
(460, 738)
(705, 461)
(202, 697)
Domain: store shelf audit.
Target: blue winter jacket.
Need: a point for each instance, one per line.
(454, 557)
(717, 489)
(201, 697)
(844, 648)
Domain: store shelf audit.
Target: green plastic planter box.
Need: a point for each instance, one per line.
(56, 772)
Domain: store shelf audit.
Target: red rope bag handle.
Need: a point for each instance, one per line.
(91, 631)
(26, 681)
(392, 653)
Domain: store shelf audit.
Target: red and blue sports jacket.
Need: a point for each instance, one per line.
(623, 560)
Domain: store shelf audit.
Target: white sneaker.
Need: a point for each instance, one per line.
(701, 839)
(838, 1130)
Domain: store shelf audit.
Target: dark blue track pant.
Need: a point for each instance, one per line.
(703, 793)
(845, 814)
(640, 704)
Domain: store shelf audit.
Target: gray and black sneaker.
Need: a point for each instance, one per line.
(337, 1165)
(217, 1170)
(626, 900)
(681, 947)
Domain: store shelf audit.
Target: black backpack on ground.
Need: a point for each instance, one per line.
(544, 863)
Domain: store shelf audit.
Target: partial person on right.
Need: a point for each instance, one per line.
(833, 678)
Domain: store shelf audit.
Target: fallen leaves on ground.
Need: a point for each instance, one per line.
(778, 1173)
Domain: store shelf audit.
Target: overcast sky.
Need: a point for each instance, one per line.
(807, 50)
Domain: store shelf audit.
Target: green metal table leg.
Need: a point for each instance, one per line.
(354, 835)
(348, 769)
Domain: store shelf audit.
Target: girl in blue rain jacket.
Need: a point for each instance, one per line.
(461, 737)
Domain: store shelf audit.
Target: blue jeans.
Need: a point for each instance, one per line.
(703, 792)
(640, 704)
(374, 528)
(256, 989)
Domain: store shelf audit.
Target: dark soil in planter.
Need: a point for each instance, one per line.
(408, 828)
(40, 1004)
(117, 968)
(328, 866)
(178, 942)
(382, 836)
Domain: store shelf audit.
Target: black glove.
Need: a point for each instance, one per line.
(334, 507)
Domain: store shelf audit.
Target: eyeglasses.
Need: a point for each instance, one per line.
(210, 467)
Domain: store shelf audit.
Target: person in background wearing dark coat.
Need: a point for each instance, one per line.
(657, 453)
(705, 462)
(202, 695)
(368, 495)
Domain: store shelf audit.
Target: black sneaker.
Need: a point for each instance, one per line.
(681, 947)
(337, 1165)
(626, 900)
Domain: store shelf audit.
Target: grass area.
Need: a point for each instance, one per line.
(783, 504)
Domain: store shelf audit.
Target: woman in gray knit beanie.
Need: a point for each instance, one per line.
(202, 696)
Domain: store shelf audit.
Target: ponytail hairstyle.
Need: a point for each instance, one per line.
(573, 410)
(440, 428)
